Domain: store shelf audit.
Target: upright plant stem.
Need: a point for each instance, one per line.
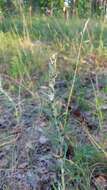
(75, 72)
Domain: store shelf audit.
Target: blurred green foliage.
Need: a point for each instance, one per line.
(82, 7)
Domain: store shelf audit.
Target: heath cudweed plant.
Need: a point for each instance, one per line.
(52, 79)
(55, 120)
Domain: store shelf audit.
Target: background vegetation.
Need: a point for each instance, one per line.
(54, 71)
(83, 7)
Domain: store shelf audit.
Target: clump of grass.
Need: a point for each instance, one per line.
(54, 29)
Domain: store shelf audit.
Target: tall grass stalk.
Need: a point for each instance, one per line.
(96, 144)
(76, 69)
(97, 104)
